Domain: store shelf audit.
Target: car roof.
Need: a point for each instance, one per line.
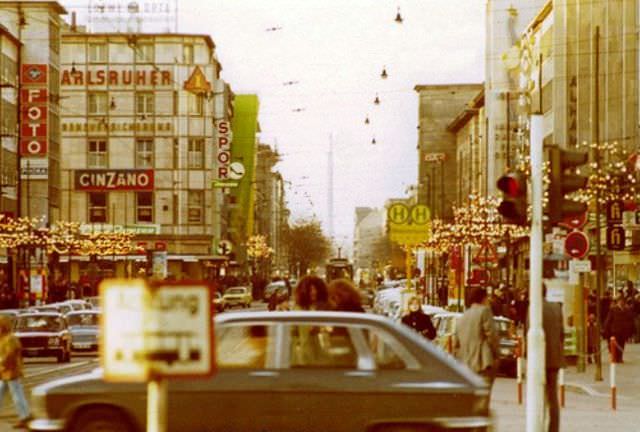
(84, 312)
(41, 314)
(236, 287)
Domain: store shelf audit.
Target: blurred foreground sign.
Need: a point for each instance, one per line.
(162, 330)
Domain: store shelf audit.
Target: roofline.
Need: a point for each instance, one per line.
(51, 3)
(467, 113)
(207, 38)
(420, 87)
(544, 12)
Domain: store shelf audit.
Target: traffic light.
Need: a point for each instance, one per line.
(563, 182)
(514, 197)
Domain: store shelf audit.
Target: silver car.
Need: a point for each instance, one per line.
(84, 329)
(290, 371)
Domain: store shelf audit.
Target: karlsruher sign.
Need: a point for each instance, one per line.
(105, 180)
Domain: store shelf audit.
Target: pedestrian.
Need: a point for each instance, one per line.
(593, 338)
(418, 320)
(476, 338)
(11, 371)
(343, 296)
(553, 326)
(619, 324)
(311, 294)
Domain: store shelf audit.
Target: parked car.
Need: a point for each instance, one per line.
(93, 301)
(77, 304)
(84, 329)
(369, 373)
(44, 334)
(11, 313)
(237, 296)
(273, 289)
(218, 302)
(445, 324)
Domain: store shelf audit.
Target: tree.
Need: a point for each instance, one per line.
(307, 245)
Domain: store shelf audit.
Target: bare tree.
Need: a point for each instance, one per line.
(307, 245)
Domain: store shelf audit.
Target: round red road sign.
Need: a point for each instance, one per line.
(575, 222)
(576, 245)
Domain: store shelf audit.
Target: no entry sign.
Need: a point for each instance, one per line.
(576, 245)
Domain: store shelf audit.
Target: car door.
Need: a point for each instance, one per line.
(328, 377)
(243, 395)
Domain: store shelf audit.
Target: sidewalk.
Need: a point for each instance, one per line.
(627, 376)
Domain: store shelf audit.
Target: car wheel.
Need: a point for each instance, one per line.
(100, 419)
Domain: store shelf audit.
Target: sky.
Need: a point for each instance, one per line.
(334, 52)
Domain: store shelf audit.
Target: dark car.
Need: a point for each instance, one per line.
(292, 371)
(84, 329)
(273, 289)
(44, 334)
(507, 350)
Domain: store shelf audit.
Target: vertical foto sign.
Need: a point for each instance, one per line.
(33, 116)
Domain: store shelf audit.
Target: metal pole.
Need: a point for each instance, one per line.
(600, 271)
(508, 130)
(535, 335)
(157, 395)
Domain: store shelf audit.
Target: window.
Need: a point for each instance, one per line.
(187, 53)
(245, 347)
(144, 153)
(386, 353)
(196, 103)
(97, 207)
(196, 153)
(194, 206)
(144, 103)
(97, 102)
(322, 347)
(144, 207)
(144, 53)
(97, 154)
(98, 53)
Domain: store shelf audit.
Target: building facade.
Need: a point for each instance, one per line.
(368, 238)
(438, 106)
(142, 116)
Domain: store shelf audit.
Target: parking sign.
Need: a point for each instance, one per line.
(162, 330)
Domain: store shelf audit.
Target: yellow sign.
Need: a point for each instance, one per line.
(409, 225)
(197, 82)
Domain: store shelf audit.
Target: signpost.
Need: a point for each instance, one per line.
(154, 332)
(576, 245)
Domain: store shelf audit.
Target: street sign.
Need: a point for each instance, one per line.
(576, 245)
(615, 238)
(580, 266)
(575, 222)
(225, 247)
(150, 332)
(614, 212)
(409, 225)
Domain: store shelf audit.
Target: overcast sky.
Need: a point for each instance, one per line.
(335, 50)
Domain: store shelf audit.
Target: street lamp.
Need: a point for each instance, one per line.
(366, 120)
(398, 17)
(376, 100)
(384, 74)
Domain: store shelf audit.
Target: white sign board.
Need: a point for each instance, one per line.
(580, 266)
(34, 168)
(159, 331)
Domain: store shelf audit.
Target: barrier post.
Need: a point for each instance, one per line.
(561, 382)
(613, 355)
(449, 344)
(519, 369)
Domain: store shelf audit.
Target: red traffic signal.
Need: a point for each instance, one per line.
(513, 207)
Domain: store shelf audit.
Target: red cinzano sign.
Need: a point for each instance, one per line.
(106, 180)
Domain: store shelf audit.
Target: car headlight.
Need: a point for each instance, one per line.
(54, 341)
(506, 351)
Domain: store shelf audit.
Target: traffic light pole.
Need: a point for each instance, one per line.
(600, 266)
(535, 335)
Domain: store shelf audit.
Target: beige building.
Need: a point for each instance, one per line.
(141, 115)
(437, 170)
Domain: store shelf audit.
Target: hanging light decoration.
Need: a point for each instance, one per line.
(376, 100)
(373, 141)
(366, 120)
(399, 17)
(384, 74)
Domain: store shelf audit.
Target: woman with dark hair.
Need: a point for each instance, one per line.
(343, 296)
(311, 294)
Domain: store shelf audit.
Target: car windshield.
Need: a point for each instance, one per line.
(235, 291)
(503, 327)
(39, 323)
(83, 319)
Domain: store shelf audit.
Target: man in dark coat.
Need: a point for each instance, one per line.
(619, 324)
(553, 326)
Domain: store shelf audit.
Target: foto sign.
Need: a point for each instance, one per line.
(162, 330)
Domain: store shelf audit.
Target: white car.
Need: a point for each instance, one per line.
(237, 296)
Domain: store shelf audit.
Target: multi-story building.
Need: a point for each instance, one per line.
(368, 238)
(271, 214)
(145, 127)
(439, 105)
(469, 129)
